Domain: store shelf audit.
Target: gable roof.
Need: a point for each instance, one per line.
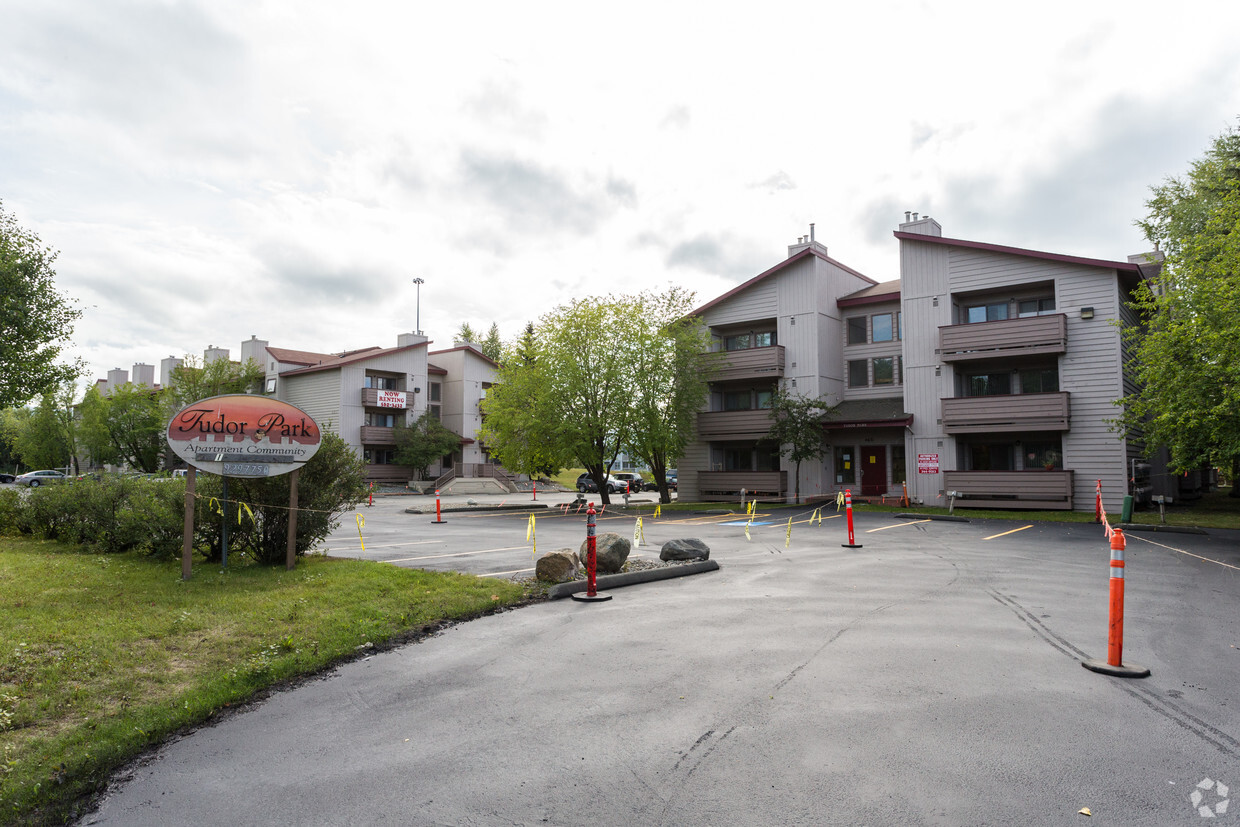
(1123, 266)
(792, 259)
(868, 413)
(470, 347)
(349, 357)
(888, 291)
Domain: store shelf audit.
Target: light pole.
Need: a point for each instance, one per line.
(418, 317)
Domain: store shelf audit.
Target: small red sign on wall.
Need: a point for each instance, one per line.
(927, 463)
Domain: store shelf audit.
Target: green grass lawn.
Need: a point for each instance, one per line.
(102, 656)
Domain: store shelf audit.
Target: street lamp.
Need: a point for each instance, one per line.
(418, 317)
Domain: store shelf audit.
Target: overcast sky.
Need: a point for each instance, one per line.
(213, 170)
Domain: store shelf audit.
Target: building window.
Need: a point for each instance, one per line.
(1035, 307)
(883, 330)
(1039, 381)
(900, 325)
(845, 468)
(379, 456)
(885, 370)
(764, 339)
(1044, 456)
(271, 386)
(382, 383)
(989, 384)
(857, 373)
(434, 392)
(984, 456)
(737, 400)
(433, 410)
(986, 312)
(379, 420)
(737, 342)
(763, 399)
(856, 330)
(897, 464)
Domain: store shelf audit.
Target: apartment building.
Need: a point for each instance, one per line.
(984, 374)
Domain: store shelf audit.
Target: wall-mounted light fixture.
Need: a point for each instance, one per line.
(1087, 312)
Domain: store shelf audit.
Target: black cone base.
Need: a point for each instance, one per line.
(597, 597)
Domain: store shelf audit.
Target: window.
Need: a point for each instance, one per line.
(885, 370)
(857, 373)
(1039, 381)
(989, 384)
(900, 325)
(883, 331)
(856, 330)
(271, 385)
(897, 464)
(1035, 307)
(764, 399)
(383, 383)
(434, 392)
(737, 400)
(738, 342)
(1043, 456)
(989, 457)
(433, 410)
(764, 339)
(379, 420)
(845, 470)
(379, 456)
(986, 312)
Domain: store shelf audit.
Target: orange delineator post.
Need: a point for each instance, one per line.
(591, 595)
(438, 518)
(1115, 627)
(852, 543)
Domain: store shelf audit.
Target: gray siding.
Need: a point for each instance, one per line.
(318, 394)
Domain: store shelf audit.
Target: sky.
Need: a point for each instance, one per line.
(212, 171)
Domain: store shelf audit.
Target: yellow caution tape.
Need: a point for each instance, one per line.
(658, 511)
(639, 536)
(788, 539)
(531, 534)
(361, 521)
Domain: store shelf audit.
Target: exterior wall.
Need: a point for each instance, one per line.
(869, 351)
(463, 389)
(318, 394)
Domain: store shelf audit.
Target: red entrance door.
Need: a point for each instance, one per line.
(873, 470)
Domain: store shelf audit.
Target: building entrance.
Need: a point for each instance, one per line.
(873, 470)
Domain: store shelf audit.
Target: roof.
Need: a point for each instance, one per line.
(467, 346)
(868, 413)
(792, 259)
(887, 291)
(349, 357)
(435, 369)
(298, 357)
(1123, 266)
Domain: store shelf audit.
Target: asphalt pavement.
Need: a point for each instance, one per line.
(932, 676)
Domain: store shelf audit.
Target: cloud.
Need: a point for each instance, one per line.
(776, 182)
(718, 255)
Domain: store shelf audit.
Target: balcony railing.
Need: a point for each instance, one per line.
(1010, 412)
(376, 435)
(1010, 489)
(1009, 337)
(751, 424)
(374, 398)
(717, 485)
(750, 363)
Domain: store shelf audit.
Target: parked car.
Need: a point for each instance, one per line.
(671, 480)
(7, 478)
(36, 478)
(586, 484)
(633, 480)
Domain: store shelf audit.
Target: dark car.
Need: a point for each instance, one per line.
(671, 480)
(7, 478)
(36, 478)
(586, 484)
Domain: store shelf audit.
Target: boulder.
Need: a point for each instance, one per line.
(557, 566)
(610, 552)
(689, 548)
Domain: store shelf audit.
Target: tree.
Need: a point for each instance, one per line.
(466, 334)
(575, 399)
(420, 444)
(796, 425)
(125, 427)
(36, 321)
(12, 422)
(674, 363)
(1187, 354)
(492, 345)
(48, 438)
(191, 381)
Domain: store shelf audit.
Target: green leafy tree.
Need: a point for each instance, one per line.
(12, 422)
(492, 345)
(124, 427)
(796, 426)
(466, 334)
(420, 444)
(516, 427)
(674, 367)
(36, 320)
(192, 381)
(48, 438)
(1187, 354)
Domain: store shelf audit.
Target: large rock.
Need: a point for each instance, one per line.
(557, 566)
(610, 552)
(688, 549)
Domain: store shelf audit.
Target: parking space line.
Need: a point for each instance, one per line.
(1135, 536)
(1006, 533)
(458, 554)
(895, 525)
(385, 545)
(502, 573)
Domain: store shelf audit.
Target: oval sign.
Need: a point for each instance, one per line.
(243, 436)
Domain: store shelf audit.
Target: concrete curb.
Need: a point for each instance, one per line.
(1163, 529)
(451, 509)
(940, 517)
(615, 581)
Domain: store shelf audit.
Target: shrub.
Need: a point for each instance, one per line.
(10, 503)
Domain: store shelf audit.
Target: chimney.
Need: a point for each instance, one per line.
(811, 233)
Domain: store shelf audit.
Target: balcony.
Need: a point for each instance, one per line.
(1011, 337)
(376, 435)
(717, 485)
(1010, 489)
(750, 363)
(1012, 412)
(374, 398)
(751, 424)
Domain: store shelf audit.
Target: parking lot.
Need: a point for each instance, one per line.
(931, 676)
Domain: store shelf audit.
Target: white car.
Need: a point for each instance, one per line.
(36, 478)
